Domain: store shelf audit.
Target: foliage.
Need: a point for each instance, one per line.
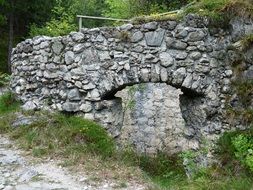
(2, 17)
(192, 161)
(243, 88)
(63, 20)
(236, 146)
(239, 108)
(134, 8)
(162, 165)
(243, 145)
(124, 36)
(221, 11)
(8, 103)
(3, 52)
(154, 17)
(53, 28)
(247, 41)
(211, 9)
(131, 91)
(4, 79)
(60, 24)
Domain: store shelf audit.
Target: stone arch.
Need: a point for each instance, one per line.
(81, 72)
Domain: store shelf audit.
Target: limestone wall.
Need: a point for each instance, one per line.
(152, 119)
(81, 72)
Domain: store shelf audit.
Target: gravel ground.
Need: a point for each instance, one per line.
(18, 171)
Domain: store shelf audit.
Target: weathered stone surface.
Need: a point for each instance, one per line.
(79, 48)
(69, 57)
(23, 120)
(57, 47)
(195, 55)
(196, 36)
(164, 75)
(248, 74)
(74, 94)
(155, 38)
(137, 36)
(179, 45)
(181, 33)
(77, 36)
(86, 107)
(175, 44)
(71, 107)
(179, 76)
(126, 27)
(181, 55)
(29, 105)
(50, 75)
(150, 26)
(166, 59)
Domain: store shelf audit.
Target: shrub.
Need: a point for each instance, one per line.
(53, 28)
(243, 145)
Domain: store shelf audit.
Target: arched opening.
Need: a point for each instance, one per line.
(157, 117)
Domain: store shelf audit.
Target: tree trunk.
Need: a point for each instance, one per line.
(11, 33)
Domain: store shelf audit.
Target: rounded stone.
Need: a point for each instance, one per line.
(166, 59)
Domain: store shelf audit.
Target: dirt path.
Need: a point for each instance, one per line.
(20, 172)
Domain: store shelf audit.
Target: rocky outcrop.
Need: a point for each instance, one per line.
(81, 72)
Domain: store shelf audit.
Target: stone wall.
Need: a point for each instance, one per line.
(153, 120)
(81, 73)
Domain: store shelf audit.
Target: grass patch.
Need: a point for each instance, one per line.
(64, 135)
(8, 103)
(219, 9)
(154, 17)
(220, 12)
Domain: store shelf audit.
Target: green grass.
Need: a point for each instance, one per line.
(219, 12)
(64, 135)
(215, 9)
(8, 103)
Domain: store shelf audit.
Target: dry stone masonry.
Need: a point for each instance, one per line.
(80, 73)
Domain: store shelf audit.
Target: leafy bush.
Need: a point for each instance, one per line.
(53, 28)
(133, 8)
(243, 145)
(235, 149)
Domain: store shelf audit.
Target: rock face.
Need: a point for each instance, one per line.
(154, 120)
(81, 72)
